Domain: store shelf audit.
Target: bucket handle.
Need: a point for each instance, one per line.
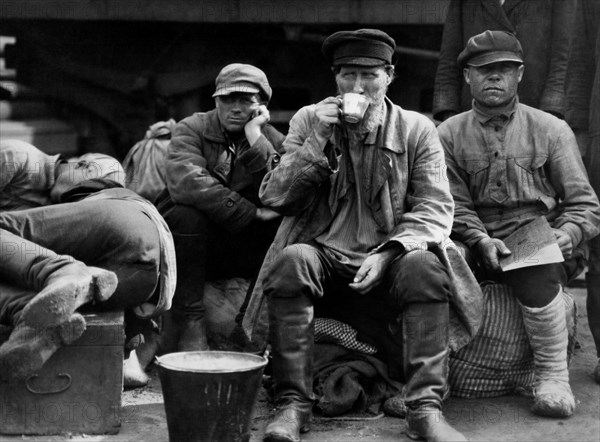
(59, 390)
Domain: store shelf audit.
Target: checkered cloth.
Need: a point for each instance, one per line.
(336, 332)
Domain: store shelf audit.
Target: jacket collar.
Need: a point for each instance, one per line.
(213, 130)
(500, 13)
(391, 135)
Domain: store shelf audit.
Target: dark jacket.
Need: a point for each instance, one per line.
(542, 26)
(203, 172)
(583, 80)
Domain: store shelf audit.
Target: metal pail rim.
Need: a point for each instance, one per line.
(211, 361)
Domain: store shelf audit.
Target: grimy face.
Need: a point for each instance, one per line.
(371, 82)
(235, 110)
(495, 84)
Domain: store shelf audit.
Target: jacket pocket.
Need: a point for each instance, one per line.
(478, 171)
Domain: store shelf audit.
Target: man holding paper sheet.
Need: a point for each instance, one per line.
(508, 165)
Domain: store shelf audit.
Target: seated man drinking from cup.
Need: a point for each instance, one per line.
(362, 242)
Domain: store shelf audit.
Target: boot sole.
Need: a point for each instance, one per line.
(413, 435)
(55, 304)
(285, 438)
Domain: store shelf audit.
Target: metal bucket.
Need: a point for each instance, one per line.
(209, 395)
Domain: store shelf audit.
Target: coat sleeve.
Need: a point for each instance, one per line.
(580, 214)
(448, 78)
(553, 96)
(290, 187)
(190, 183)
(467, 227)
(263, 155)
(427, 220)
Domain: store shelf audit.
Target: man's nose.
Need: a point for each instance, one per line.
(358, 86)
(494, 76)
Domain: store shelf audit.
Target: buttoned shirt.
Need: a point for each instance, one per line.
(26, 176)
(353, 231)
(508, 168)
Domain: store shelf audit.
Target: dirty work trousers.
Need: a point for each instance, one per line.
(112, 234)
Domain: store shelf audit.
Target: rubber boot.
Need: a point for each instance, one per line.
(291, 333)
(547, 330)
(593, 312)
(64, 284)
(27, 349)
(187, 320)
(425, 361)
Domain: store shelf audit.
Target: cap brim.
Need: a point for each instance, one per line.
(234, 89)
(359, 61)
(494, 57)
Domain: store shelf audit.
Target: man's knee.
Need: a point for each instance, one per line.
(183, 219)
(419, 276)
(293, 272)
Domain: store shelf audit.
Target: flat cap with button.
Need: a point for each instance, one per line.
(491, 47)
(363, 47)
(245, 78)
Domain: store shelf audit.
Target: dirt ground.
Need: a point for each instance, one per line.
(498, 419)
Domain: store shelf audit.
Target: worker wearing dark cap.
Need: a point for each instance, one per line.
(508, 165)
(367, 216)
(215, 163)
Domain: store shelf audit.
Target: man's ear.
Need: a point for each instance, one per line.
(521, 70)
(467, 75)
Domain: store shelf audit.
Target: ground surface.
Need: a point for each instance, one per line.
(498, 419)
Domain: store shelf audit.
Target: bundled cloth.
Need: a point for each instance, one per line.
(145, 162)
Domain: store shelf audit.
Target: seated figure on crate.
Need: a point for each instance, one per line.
(509, 164)
(215, 163)
(363, 241)
(98, 243)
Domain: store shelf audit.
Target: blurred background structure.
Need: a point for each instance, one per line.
(92, 75)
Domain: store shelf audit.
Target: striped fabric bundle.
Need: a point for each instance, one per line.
(499, 360)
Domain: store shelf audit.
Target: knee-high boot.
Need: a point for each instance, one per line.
(593, 312)
(547, 330)
(292, 339)
(425, 361)
(184, 326)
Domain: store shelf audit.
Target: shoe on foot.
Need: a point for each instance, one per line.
(65, 291)
(553, 398)
(28, 349)
(134, 375)
(427, 422)
(287, 425)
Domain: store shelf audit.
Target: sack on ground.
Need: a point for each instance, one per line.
(499, 360)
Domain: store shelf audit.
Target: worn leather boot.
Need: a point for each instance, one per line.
(427, 422)
(187, 320)
(425, 359)
(548, 336)
(292, 338)
(289, 422)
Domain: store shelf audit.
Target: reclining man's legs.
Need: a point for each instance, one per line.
(112, 234)
(63, 283)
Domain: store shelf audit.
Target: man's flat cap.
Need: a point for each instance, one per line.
(363, 47)
(244, 78)
(491, 47)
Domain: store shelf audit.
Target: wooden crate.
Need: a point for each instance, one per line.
(77, 391)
